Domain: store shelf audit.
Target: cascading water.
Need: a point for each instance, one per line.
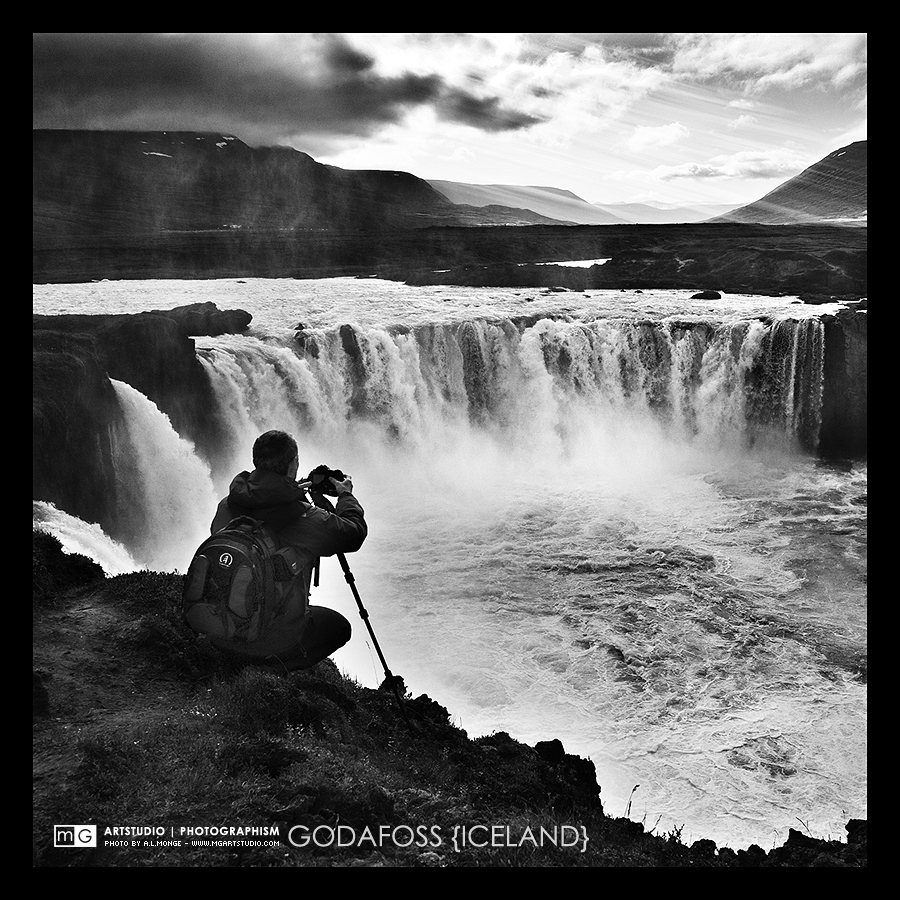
(725, 385)
(601, 528)
(84, 538)
(165, 487)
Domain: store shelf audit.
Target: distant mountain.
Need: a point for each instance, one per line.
(91, 184)
(663, 213)
(831, 190)
(569, 208)
(563, 206)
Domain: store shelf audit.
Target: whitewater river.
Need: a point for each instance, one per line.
(578, 527)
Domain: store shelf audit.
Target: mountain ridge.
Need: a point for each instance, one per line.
(567, 206)
(93, 184)
(833, 189)
(652, 213)
(556, 203)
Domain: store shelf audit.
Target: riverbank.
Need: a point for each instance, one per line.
(140, 725)
(819, 261)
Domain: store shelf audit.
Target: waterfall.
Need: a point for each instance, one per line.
(459, 403)
(84, 538)
(166, 490)
(723, 384)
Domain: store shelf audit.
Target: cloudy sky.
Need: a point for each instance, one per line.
(673, 117)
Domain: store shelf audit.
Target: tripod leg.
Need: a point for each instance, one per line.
(364, 615)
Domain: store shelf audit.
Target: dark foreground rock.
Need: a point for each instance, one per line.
(138, 723)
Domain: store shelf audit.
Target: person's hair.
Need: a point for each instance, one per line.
(274, 451)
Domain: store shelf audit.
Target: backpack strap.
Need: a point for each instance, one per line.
(274, 517)
(249, 524)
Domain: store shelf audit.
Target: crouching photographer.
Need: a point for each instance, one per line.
(271, 504)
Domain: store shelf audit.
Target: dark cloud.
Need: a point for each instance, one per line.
(316, 86)
(485, 113)
(344, 58)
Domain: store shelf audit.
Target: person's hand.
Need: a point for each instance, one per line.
(342, 486)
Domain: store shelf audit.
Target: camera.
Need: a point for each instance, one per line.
(320, 476)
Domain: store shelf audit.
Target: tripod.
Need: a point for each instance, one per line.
(364, 615)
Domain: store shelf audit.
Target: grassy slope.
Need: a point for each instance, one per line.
(138, 723)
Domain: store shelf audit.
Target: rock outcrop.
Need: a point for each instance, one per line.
(845, 394)
(74, 414)
(75, 410)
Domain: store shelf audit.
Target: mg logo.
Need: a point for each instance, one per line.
(226, 560)
(74, 835)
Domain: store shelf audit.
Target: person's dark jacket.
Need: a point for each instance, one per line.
(314, 532)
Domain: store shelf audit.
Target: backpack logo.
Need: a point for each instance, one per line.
(226, 559)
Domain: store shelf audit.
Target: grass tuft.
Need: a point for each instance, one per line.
(255, 701)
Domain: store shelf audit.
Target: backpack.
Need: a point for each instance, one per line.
(239, 581)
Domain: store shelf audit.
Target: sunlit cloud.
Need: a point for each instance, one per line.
(763, 60)
(743, 122)
(648, 137)
(746, 164)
